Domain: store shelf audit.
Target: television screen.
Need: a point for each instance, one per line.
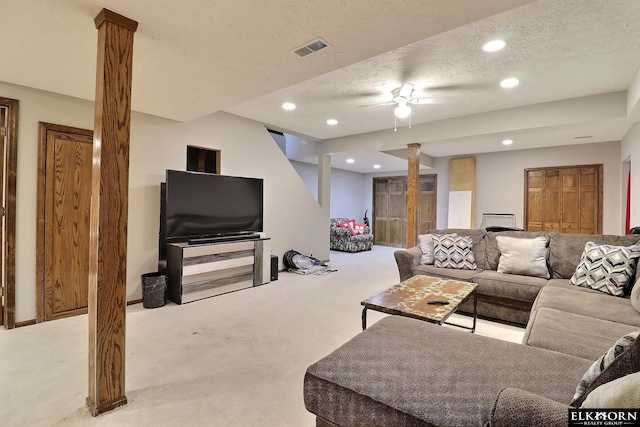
(201, 205)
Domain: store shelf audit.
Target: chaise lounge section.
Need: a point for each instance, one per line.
(404, 372)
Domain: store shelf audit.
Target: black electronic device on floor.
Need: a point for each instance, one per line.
(274, 268)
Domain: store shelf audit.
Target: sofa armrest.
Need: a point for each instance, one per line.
(407, 260)
(515, 407)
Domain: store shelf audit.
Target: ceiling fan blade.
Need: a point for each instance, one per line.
(377, 105)
(424, 101)
(456, 87)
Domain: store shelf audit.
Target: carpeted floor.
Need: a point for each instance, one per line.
(233, 360)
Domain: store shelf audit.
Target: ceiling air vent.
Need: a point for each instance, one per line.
(314, 46)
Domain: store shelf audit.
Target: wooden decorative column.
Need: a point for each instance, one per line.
(413, 190)
(462, 179)
(109, 203)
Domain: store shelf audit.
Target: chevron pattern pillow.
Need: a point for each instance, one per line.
(606, 268)
(453, 251)
(615, 363)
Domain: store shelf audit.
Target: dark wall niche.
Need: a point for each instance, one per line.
(203, 159)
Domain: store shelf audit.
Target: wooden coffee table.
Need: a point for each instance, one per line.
(410, 299)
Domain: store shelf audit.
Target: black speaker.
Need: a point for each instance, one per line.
(274, 268)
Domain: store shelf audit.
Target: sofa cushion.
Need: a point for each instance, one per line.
(453, 251)
(508, 286)
(561, 295)
(570, 333)
(621, 359)
(526, 257)
(623, 392)
(606, 268)
(491, 244)
(425, 241)
(431, 373)
(565, 250)
(446, 273)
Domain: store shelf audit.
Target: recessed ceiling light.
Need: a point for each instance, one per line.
(332, 122)
(351, 161)
(376, 166)
(493, 45)
(289, 106)
(510, 82)
(507, 142)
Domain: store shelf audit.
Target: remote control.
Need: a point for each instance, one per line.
(438, 301)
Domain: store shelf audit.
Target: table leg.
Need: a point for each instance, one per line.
(475, 311)
(364, 318)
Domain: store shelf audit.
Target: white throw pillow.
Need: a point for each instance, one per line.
(426, 246)
(623, 392)
(527, 257)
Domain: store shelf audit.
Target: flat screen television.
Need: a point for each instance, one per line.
(202, 205)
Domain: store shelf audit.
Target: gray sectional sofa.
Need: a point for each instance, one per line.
(404, 372)
(508, 297)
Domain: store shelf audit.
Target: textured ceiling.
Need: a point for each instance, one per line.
(193, 58)
(558, 50)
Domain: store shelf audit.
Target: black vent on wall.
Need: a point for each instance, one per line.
(314, 46)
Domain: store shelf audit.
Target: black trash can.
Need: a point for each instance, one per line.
(154, 289)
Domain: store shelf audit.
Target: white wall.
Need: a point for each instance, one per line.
(291, 214)
(630, 151)
(349, 194)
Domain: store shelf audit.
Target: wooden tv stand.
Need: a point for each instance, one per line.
(198, 271)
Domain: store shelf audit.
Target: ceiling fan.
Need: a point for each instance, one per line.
(402, 97)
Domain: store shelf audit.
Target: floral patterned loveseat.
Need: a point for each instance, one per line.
(341, 239)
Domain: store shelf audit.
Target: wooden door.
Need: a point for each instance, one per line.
(427, 203)
(64, 201)
(3, 133)
(390, 209)
(566, 199)
(552, 201)
(534, 212)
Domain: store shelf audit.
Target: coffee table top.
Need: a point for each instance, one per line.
(410, 298)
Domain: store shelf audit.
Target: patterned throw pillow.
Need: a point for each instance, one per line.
(606, 268)
(453, 251)
(347, 224)
(604, 370)
(357, 228)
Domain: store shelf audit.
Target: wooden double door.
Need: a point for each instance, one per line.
(390, 208)
(564, 199)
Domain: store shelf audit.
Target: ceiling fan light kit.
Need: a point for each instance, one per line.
(402, 111)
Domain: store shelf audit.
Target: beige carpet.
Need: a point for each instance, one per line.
(233, 360)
